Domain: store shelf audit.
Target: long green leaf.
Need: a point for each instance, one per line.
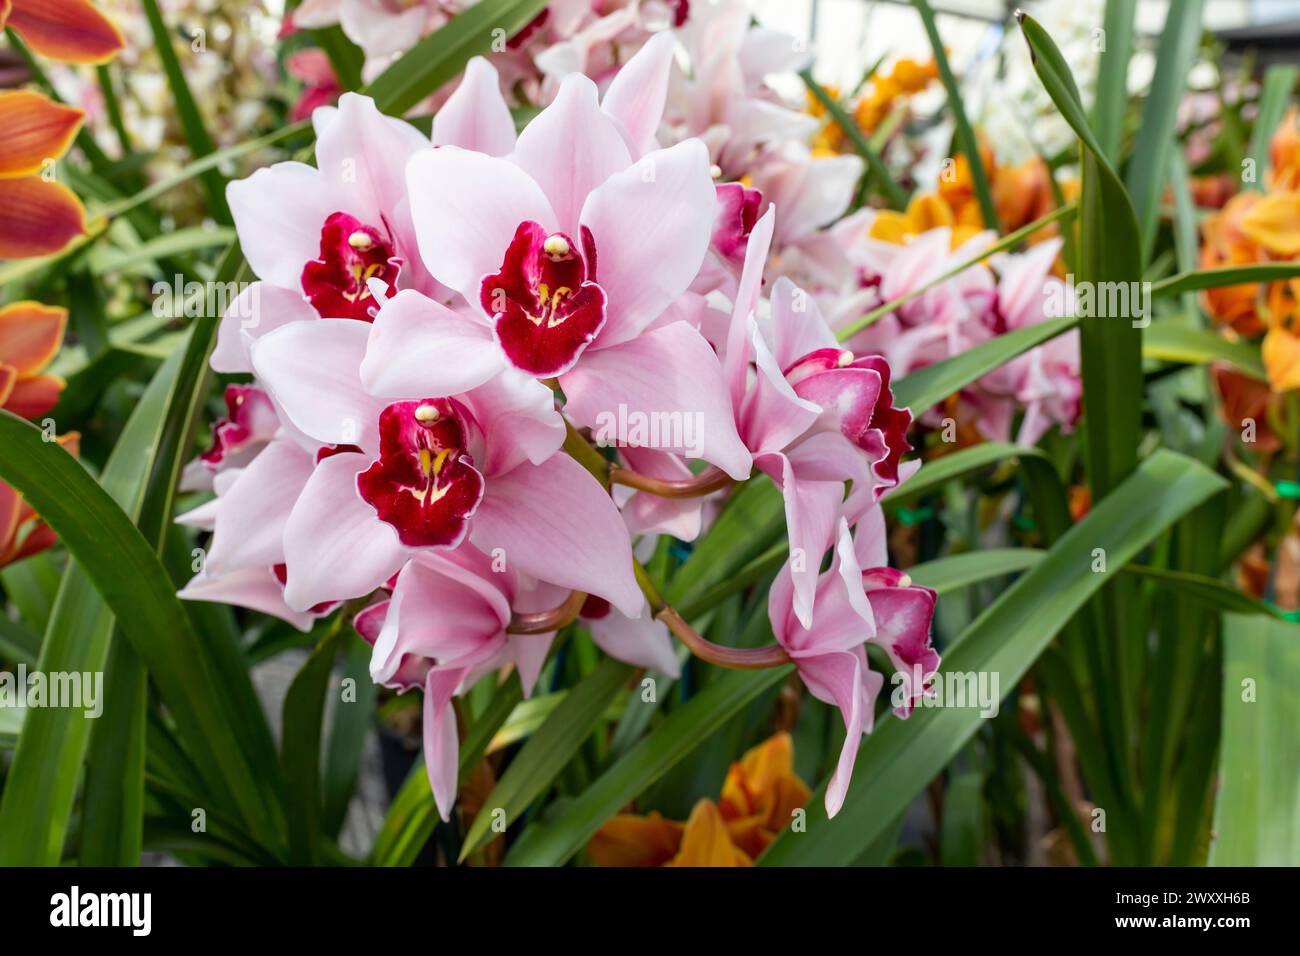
(300, 749)
(965, 133)
(1225, 276)
(196, 132)
(901, 757)
(876, 167)
(128, 574)
(1111, 346)
(1112, 77)
(928, 386)
(1155, 139)
(1257, 814)
(1173, 341)
(1279, 83)
(548, 751)
(39, 791)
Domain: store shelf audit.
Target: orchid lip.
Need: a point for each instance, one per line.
(352, 254)
(424, 483)
(545, 307)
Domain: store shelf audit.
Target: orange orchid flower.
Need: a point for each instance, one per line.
(759, 797)
(30, 335)
(22, 532)
(38, 216)
(1256, 227)
(72, 31)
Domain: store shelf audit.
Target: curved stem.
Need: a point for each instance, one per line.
(544, 622)
(737, 658)
(706, 482)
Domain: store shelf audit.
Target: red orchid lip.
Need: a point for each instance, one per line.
(424, 483)
(351, 254)
(545, 309)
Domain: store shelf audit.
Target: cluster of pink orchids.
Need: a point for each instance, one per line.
(439, 325)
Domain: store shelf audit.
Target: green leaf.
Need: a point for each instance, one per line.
(130, 577)
(1109, 252)
(965, 134)
(187, 110)
(1279, 83)
(876, 167)
(41, 786)
(345, 56)
(548, 751)
(1257, 814)
(441, 55)
(1225, 276)
(1173, 341)
(551, 842)
(928, 386)
(897, 761)
(182, 240)
(1111, 102)
(961, 830)
(300, 749)
(411, 819)
(1149, 164)
(352, 722)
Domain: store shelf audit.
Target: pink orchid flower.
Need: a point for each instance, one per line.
(445, 627)
(813, 414)
(425, 473)
(315, 236)
(879, 605)
(568, 252)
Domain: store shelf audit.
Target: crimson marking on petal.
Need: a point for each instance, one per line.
(545, 309)
(738, 208)
(424, 484)
(351, 254)
(231, 434)
(594, 608)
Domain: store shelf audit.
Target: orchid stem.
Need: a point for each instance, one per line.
(736, 658)
(548, 621)
(705, 483)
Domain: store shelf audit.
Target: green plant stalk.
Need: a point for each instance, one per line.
(876, 168)
(965, 133)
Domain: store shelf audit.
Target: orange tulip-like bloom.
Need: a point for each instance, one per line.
(1258, 227)
(30, 335)
(39, 216)
(759, 797)
(22, 532)
(72, 31)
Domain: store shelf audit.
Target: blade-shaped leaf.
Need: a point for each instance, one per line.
(1257, 813)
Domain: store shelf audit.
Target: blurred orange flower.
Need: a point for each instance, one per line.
(759, 796)
(1256, 227)
(905, 78)
(39, 216)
